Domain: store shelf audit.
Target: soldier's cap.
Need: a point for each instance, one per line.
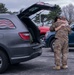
(59, 17)
(62, 18)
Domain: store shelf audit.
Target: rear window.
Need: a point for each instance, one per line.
(6, 24)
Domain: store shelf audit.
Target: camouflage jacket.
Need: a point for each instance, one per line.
(63, 32)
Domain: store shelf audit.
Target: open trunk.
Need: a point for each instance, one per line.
(33, 29)
(24, 17)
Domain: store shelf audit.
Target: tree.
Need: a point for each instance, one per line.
(54, 13)
(41, 18)
(68, 12)
(3, 9)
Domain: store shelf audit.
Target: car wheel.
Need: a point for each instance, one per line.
(3, 62)
(42, 38)
(52, 45)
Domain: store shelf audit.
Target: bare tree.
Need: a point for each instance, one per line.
(68, 12)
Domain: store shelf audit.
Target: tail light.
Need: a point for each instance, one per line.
(25, 35)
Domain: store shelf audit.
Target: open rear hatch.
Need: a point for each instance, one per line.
(24, 15)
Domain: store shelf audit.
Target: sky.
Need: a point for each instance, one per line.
(16, 5)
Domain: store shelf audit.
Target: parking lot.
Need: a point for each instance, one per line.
(41, 65)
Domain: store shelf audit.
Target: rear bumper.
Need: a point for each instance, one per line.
(26, 58)
(33, 51)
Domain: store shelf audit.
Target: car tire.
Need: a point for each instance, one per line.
(42, 38)
(3, 62)
(52, 45)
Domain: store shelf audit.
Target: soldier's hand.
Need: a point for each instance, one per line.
(63, 25)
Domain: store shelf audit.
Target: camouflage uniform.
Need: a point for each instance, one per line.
(61, 43)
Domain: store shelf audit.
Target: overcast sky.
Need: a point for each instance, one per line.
(16, 5)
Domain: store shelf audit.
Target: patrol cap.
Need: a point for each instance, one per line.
(62, 17)
(57, 17)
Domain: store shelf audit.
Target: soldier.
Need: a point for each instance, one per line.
(62, 30)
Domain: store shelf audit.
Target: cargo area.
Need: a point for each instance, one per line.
(33, 29)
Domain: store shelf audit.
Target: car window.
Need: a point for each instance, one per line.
(6, 24)
(40, 18)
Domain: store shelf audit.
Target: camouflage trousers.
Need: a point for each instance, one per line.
(61, 51)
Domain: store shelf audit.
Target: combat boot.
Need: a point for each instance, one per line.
(57, 67)
(64, 67)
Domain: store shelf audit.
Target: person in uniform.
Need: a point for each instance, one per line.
(62, 30)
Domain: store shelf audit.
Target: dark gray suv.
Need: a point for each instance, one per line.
(19, 36)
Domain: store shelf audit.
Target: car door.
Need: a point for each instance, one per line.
(35, 8)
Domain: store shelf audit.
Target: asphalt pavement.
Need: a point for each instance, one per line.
(41, 65)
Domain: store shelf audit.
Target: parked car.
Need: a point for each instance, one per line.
(19, 36)
(50, 38)
(43, 30)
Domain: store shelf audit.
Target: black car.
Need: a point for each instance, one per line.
(19, 36)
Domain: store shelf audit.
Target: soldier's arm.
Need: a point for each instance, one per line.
(61, 25)
(69, 29)
(56, 29)
(52, 28)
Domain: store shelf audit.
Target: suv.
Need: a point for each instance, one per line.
(19, 36)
